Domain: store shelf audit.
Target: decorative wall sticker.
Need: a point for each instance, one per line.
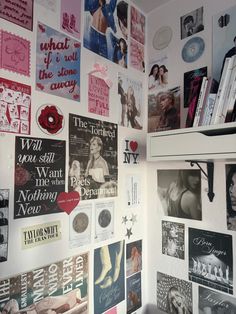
(128, 221)
(130, 113)
(137, 56)
(133, 190)
(40, 234)
(173, 239)
(162, 38)
(15, 53)
(131, 152)
(134, 293)
(71, 17)
(191, 23)
(58, 63)
(39, 176)
(80, 225)
(15, 107)
(18, 13)
(137, 25)
(49, 287)
(133, 257)
(93, 157)
(50, 119)
(109, 286)
(193, 49)
(4, 224)
(68, 201)
(104, 220)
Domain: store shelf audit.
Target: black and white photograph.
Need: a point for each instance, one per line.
(93, 168)
(179, 191)
(210, 259)
(192, 23)
(4, 220)
(104, 220)
(134, 293)
(211, 302)
(230, 170)
(173, 295)
(173, 239)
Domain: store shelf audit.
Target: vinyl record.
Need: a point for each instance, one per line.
(104, 218)
(80, 222)
(162, 38)
(193, 49)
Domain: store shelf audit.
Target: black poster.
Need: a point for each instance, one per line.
(210, 259)
(39, 176)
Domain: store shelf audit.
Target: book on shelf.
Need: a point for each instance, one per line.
(220, 96)
(200, 101)
(210, 104)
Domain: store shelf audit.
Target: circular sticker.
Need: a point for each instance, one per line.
(162, 38)
(193, 49)
(50, 119)
(80, 222)
(104, 218)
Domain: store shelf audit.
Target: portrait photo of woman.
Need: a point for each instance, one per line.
(231, 196)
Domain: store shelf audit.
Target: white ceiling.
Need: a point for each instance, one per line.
(147, 6)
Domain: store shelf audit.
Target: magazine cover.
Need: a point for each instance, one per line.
(214, 302)
(173, 239)
(93, 157)
(230, 170)
(211, 259)
(173, 295)
(109, 285)
(134, 293)
(108, 38)
(60, 287)
(192, 23)
(179, 191)
(131, 102)
(133, 257)
(164, 110)
(158, 74)
(4, 226)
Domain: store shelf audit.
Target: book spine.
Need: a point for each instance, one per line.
(204, 105)
(209, 110)
(231, 97)
(200, 101)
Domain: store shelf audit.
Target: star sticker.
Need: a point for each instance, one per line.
(129, 232)
(133, 219)
(124, 219)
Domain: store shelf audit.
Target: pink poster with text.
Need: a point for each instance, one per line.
(98, 96)
(137, 56)
(137, 25)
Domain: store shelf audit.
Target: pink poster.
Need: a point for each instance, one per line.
(71, 17)
(137, 25)
(15, 105)
(137, 55)
(18, 12)
(15, 53)
(112, 311)
(98, 96)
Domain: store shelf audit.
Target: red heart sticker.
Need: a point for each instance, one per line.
(68, 201)
(133, 145)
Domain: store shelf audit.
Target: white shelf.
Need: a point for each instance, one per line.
(200, 143)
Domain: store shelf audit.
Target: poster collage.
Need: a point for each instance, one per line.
(76, 176)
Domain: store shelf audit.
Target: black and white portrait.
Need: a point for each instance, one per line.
(210, 259)
(173, 239)
(4, 221)
(191, 23)
(179, 192)
(230, 170)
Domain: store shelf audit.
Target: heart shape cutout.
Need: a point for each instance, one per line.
(68, 201)
(133, 145)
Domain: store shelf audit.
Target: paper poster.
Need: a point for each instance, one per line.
(134, 293)
(133, 190)
(15, 53)
(109, 286)
(164, 110)
(131, 152)
(39, 176)
(131, 109)
(170, 192)
(230, 170)
(173, 239)
(192, 23)
(211, 259)
(215, 302)
(61, 285)
(71, 17)
(40, 234)
(112, 311)
(15, 107)
(50, 119)
(170, 289)
(98, 95)
(133, 257)
(58, 63)
(137, 25)
(20, 14)
(80, 225)
(158, 74)
(48, 4)
(137, 56)
(93, 157)
(104, 221)
(4, 224)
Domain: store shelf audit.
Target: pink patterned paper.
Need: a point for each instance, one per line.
(15, 53)
(137, 25)
(137, 55)
(112, 311)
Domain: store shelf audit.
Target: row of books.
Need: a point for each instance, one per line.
(214, 103)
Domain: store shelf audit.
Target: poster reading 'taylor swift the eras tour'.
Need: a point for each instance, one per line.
(93, 157)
